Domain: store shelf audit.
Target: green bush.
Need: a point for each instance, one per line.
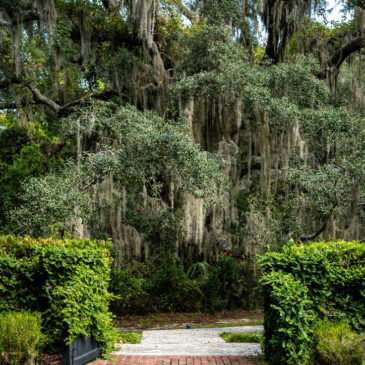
(66, 280)
(21, 338)
(287, 319)
(336, 343)
(167, 285)
(327, 278)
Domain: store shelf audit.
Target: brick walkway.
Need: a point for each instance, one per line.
(179, 360)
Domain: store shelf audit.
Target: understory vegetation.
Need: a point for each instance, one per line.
(166, 285)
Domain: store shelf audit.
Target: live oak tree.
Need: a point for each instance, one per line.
(110, 97)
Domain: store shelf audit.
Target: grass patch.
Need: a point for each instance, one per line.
(133, 337)
(242, 337)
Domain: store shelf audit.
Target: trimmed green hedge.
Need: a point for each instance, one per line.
(65, 280)
(308, 282)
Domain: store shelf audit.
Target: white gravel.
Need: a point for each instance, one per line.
(190, 342)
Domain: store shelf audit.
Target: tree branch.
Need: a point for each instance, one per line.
(312, 236)
(183, 9)
(103, 95)
(41, 99)
(341, 54)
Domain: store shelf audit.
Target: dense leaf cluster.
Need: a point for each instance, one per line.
(136, 148)
(65, 280)
(308, 282)
(166, 285)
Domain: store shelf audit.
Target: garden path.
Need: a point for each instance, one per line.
(201, 346)
(189, 342)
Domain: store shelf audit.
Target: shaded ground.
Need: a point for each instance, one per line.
(180, 320)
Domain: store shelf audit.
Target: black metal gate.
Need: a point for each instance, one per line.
(80, 351)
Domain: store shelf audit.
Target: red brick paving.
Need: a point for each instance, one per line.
(178, 360)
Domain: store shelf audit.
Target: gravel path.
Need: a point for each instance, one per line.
(190, 342)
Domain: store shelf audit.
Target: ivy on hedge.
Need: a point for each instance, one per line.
(66, 280)
(308, 282)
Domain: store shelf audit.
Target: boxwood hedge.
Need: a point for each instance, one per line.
(307, 282)
(65, 280)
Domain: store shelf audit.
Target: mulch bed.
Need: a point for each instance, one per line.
(178, 320)
(45, 359)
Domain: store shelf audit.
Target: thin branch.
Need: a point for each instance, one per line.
(103, 95)
(183, 9)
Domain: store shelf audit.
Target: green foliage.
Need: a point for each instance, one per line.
(165, 285)
(54, 200)
(322, 182)
(305, 282)
(21, 158)
(21, 338)
(67, 280)
(336, 343)
(137, 149)
(332, 272)
(133, 337)
(241, 337)
(288, 319)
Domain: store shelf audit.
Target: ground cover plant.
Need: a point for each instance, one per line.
(241, 337)
(306, 283)
(65, 280)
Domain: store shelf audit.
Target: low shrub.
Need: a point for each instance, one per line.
(21, 339)
(66, 280)
(308, 282)
(336, 343)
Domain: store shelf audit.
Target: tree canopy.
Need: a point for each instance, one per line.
(198, 123)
